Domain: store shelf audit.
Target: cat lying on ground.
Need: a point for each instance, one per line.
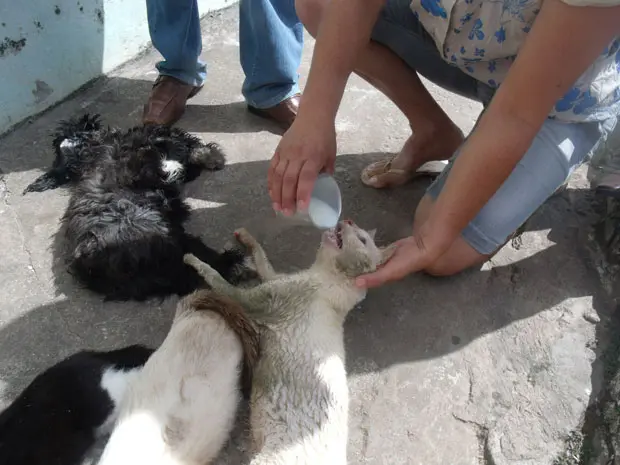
(123, 230)
(181, 409)
(299, 401)
(58, 418)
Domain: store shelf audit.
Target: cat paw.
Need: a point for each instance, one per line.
(192, 260)
(245, 238)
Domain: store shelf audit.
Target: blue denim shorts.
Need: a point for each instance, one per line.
(558, 149)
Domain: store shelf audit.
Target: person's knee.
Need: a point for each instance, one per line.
(309, 13)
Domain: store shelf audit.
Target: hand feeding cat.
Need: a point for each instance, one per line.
(299, 401)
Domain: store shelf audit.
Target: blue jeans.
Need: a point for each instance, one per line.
(270, 38)
(557, 150)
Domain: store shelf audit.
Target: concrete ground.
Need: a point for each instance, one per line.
(495, 366)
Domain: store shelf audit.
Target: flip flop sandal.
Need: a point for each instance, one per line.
(386, 176)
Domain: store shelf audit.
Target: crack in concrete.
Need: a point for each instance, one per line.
(365, 423)
(482, 434)
(365, 433)
(6, 193)
(470, 393)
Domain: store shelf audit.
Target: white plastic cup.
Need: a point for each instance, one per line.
(325, 205)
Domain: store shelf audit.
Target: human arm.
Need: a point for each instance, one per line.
(563, 42)
(309, 146)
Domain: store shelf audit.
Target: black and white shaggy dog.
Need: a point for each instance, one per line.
(123, 234)
(64, 411)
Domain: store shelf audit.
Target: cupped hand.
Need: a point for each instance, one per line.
(304, 151)
(410, 255)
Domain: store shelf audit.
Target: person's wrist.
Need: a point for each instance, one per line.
(434, 238)
(316, 113)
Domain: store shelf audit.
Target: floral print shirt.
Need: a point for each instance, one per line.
(482, 37)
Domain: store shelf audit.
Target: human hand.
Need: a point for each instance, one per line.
(409, 256)
(305, 150)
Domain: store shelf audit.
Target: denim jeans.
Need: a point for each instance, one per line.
(270, 38)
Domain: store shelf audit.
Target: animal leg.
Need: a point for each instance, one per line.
(214, 279)
(263, 266)
(50, 180)
(229, 263)
(211, 156)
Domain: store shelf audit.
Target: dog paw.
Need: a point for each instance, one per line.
(43, 183)
(211, 156)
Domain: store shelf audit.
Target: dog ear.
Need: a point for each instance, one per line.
(387, 253)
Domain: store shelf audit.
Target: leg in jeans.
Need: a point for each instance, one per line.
(174, 26)
(271, 41)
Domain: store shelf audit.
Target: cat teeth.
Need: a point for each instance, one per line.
(334, 238)
(338, 234)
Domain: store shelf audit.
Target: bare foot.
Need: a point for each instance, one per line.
(419, 149)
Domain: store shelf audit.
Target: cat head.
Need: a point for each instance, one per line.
(351, 250)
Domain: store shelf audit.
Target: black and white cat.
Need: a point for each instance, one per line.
(64, 410)
(181, 408)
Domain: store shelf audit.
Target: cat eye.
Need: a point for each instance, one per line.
(363, 239)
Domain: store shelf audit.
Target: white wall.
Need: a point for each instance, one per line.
(50, 48)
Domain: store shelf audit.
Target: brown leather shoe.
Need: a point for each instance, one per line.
(283, 113)
(167, 101)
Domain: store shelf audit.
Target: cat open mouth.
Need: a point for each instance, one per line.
(334, 236)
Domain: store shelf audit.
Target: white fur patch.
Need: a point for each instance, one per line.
(115, 383)
(136, 439)
(68, 144)
(173, 169)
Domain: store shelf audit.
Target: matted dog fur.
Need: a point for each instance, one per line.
(123, 230)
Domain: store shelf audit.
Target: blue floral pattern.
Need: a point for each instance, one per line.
(500, 35)
(434, 7)
(482, 38)
(476, 31)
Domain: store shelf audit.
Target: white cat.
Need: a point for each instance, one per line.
(181, 408)
(299, 402)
